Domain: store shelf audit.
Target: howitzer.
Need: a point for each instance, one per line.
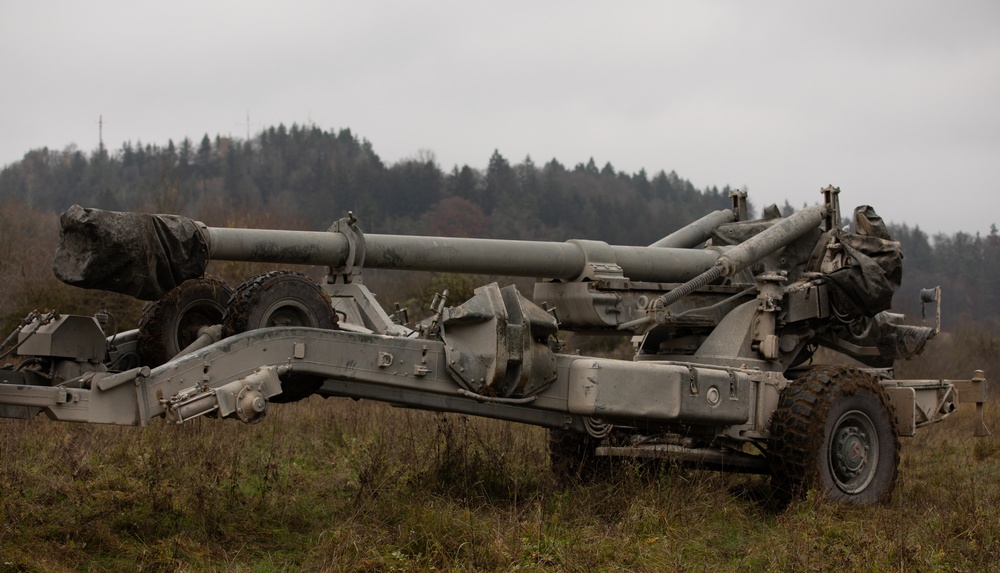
(726, 315)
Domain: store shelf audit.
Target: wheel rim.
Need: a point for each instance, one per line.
(853, 452)
(289, 312)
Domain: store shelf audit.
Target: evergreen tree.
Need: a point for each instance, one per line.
(500, 183)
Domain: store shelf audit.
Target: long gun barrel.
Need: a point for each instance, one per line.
(478, 256)
(696, 233)
(458, 255)
(147, 255)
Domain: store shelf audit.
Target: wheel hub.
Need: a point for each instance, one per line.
(853, 452)
(288, 312)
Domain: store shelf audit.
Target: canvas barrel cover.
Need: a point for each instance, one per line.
(136, 254)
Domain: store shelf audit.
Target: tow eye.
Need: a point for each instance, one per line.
(244, 399)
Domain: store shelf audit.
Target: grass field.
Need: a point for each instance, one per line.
(337, 485)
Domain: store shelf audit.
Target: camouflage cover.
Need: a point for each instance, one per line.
(136, 254)
(864, 286)
(898, 341)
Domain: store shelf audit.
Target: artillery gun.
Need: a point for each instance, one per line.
(726, 316)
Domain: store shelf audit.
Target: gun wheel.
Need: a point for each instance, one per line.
(278, 298)
(172, 323)
(835, 432)
(281, 298)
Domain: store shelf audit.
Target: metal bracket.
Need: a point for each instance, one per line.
(831, 198)
(739, 199)
(770, 294)
(974, 391)
(355, 260)
(601, 262)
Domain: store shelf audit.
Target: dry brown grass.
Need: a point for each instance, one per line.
(336, 485)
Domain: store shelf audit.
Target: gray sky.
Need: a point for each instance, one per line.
(897, 102)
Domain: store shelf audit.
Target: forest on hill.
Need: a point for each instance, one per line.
(318, 175)
(305, 177)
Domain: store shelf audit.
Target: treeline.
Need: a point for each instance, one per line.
(305, 177)
(966, 266)
(320, 175)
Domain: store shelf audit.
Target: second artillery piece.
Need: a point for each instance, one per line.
(726, 315)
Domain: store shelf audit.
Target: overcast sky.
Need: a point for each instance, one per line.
(896, 102)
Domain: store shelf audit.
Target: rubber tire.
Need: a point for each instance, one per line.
(827, 411)
(281, 298)
(278, 298)
(170, 324)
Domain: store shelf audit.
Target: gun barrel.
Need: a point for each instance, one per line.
(540, 259)
(146, 255)
(697, 232)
